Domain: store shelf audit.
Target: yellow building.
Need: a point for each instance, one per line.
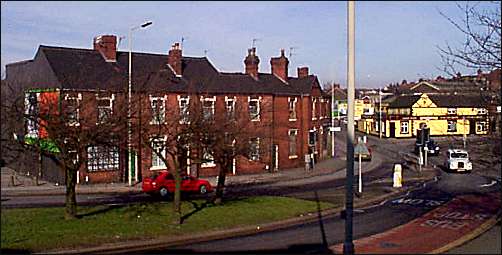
(362, 108)
(443, 114)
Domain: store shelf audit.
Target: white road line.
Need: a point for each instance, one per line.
(489, 184)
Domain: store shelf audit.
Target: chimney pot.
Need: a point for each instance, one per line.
(303, 72)
(174, 58)
(251, 63)
(106, 45)
(279, 66)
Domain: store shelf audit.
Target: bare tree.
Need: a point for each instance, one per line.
(51, 123)
(482, 48)
(231, 135)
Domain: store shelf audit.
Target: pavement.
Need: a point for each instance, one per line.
(20, 185)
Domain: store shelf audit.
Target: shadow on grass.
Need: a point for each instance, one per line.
(100, 211)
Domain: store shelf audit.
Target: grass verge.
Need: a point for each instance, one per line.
(43, 229)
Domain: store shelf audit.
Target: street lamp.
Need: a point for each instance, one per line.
(129, 95)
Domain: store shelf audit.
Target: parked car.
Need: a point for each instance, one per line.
(162, 184)
(458, 160)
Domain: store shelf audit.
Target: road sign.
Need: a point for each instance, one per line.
(361, 149)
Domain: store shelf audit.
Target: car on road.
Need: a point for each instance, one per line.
(458, 161)
(162, 183)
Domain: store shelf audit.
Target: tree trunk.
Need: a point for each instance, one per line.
(177, 193)
(71, 201)
(220, 186)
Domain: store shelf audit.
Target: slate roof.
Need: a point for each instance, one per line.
(407, 101)
(86, 69)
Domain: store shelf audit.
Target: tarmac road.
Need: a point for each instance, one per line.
(316, 237)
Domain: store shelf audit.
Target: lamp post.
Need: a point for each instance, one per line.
(380, 113)
(129, 96)
(348, 245)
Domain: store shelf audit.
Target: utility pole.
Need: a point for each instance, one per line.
(465, 136)
(380, 112)
(332, 120)
(348, 245)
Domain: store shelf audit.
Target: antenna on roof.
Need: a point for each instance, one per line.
(291, 51)
(120, 40)
(205, 53)
(183, 40)
(254, 41)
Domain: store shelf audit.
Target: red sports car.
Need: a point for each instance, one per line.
(162, 183)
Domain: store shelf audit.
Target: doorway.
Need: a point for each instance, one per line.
(392, 129)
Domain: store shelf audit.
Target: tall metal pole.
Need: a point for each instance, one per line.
(380, 113)
(332, 121)
(129, 124)
(348, 245)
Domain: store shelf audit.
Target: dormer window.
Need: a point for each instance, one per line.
(158, 109)
(292, 108)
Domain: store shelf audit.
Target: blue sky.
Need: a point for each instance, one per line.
(394, 40)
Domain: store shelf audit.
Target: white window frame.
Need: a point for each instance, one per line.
(184, 118)
(159, 164)
(95, 158)
(258, 115)
(321, 100)
(208, 159)
(230, 108)
(213, 103)
(32, 125)
(295, 133)
(404, 127)
(481, 126)
(254, 155)
(452, 111)
(294, 100)
(451, 123)
(482, 111)
(78, 98)
(162, 119)
(314, 108)
(110, 106)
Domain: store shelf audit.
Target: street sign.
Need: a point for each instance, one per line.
(361, 149)
(335, 129)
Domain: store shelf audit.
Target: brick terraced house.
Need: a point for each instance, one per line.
(94, 83)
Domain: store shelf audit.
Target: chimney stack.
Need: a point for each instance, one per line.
(280, 66)
(251, 62)
(174, 58)
(107, 46)
(303, 72)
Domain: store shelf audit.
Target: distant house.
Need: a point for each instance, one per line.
(444, 114)
(96, 79)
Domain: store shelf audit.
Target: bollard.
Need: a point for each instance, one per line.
(13, 184)
(398, 179)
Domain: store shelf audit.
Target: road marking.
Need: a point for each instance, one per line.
(490, 184)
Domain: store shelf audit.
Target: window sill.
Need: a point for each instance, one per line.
(256, 120)
(207, 165)
(293, 157)
(292, 119)
(153, 168)
(314, 118)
